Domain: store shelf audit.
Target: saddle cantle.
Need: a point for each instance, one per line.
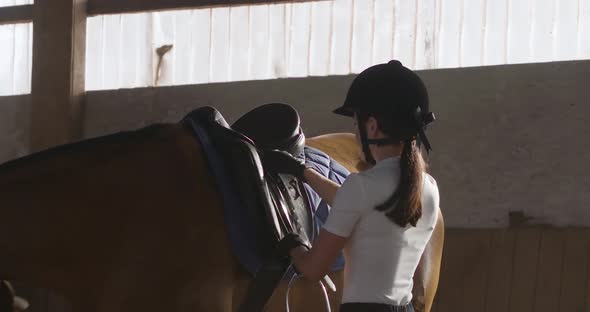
(273, 126)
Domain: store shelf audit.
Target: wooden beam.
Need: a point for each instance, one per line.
(16, 14)
(57, 86)
(101, 7)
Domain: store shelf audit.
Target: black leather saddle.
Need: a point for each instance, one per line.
(277, 204)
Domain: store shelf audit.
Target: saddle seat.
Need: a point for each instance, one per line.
(274, 204)
(273, 126)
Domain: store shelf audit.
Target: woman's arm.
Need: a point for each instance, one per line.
(316, 262)
(346, 211)
(326, 188)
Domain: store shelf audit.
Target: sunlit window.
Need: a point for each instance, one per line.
(15, 58)
(329, 38)
(7, 3)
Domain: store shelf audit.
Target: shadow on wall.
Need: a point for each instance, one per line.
(499, 140)
(507, 138)
(14, 126)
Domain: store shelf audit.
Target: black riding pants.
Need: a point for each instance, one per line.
(374, 307)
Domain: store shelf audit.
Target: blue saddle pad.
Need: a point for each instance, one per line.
(244, 243)
(334, 171)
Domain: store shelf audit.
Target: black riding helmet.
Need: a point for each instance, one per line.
(394, 95)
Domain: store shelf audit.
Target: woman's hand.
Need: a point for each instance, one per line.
(288, 243)
(315, 263)
(283, 162)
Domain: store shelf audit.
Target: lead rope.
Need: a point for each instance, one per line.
(297, 276)
(326, 296)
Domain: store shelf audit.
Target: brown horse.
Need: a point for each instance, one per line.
(132, 222)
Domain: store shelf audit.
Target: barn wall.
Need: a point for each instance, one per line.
(531, 269)
(14, 126)
(508, 138)
(516, 269)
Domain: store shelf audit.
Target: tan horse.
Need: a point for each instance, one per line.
(132, 222)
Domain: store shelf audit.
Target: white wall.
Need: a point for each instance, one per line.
(513, 138)
(507, 138)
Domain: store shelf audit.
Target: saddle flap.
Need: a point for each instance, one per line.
(292, 207)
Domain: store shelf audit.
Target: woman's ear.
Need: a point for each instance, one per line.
(372, 127)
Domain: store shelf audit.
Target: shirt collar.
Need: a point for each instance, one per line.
(388, 162)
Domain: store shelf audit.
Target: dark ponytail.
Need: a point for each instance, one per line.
(405, 205)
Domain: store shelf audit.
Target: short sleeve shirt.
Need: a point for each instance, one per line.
(381, 256)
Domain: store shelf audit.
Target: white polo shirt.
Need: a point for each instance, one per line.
(381, 256)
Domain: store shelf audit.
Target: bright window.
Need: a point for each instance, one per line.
(329, 38)
(16, 44)
(15, 58)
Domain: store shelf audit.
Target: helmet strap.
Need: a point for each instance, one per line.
(382, 142)
(422, 120)
(423, 139)
(365, 144)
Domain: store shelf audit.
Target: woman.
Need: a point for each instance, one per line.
(383, 217)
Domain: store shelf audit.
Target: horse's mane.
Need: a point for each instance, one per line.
(98, 144)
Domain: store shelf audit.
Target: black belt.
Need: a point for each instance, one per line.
(375, 307)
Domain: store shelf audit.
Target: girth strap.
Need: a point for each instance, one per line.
(264, 284)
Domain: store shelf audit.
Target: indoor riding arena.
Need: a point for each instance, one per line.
(133, 136)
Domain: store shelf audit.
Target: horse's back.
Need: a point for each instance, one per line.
(343, 148)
